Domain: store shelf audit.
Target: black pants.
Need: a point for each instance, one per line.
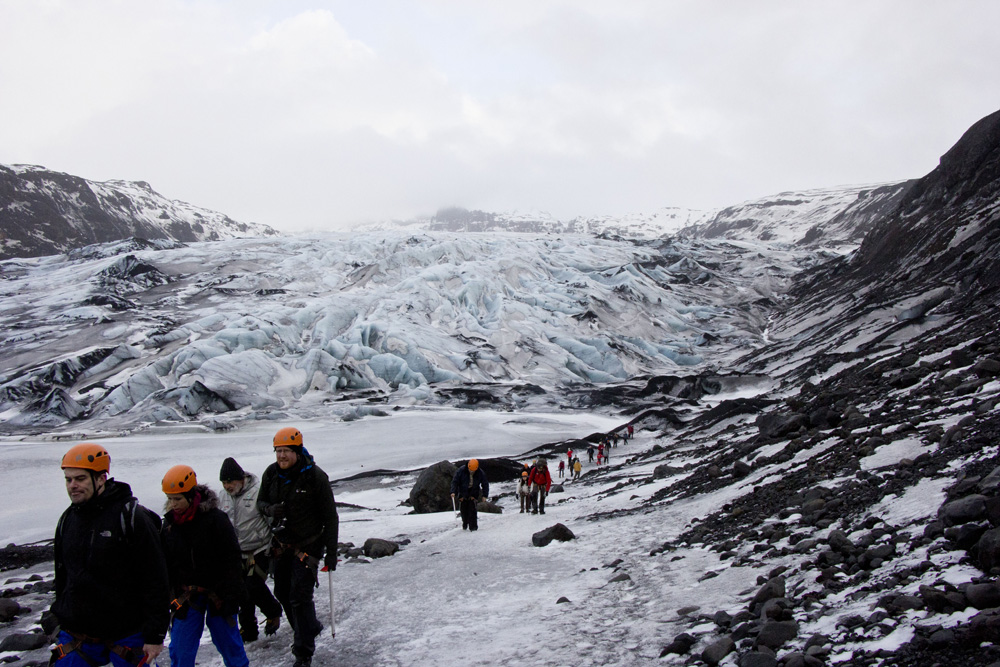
(258, 595)
(470, 516)
(538, 501)
(294, 582)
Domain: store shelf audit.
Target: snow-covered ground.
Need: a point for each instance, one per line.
(450, 596)
(29, 469)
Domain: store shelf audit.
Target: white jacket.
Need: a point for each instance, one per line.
(523, 488)
(251, 527)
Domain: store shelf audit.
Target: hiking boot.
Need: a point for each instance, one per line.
(249, 635)
(271, 625)
(534, 511)
(303, 662)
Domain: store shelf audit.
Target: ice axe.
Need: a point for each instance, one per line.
(329, 581)
(454, 507)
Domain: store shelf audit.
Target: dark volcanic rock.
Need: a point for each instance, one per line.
(777, 425)
(432, 490)
(556, 532)
(378, 548)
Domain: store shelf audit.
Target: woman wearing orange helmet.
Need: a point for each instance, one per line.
(206, 574)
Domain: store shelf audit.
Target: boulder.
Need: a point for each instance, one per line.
(987, 368)
(775, 633)
(556, 532)
(741, 469)
(432, 490)
(758, 659)
(983, 596)
(717, 650)
(777, 425)
(774, 588)
(964, 510)
(376, 548)
(489, 507)
(682, 644)
(23, 641)
(9, 609)
(988, 549)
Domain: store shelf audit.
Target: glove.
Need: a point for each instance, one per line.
(277, 511)
(330, 563)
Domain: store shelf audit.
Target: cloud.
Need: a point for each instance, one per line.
(310, 114)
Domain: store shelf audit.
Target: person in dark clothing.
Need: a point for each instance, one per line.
(111, 594)
(469, 486)
(206, 577)
(295, 493)
(239, 502)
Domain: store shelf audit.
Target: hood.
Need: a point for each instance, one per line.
(209, 500)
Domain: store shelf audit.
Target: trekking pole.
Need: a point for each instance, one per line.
(453, 506)
(329, 581)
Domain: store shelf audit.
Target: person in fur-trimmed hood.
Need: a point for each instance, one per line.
(205, 570)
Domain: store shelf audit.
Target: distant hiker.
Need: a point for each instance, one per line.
(562, 467)
(569, 459)
(524, 492)
(469, 486)
(239, 502)
(600, 453)
(541, 482)
(295, 493)
(112, 597)
(203, 560)
(630, 431)
(577, 467)
(590, 453)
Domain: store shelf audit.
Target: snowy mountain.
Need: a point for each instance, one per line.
(834, 219)
(813, 479)
(45, 212)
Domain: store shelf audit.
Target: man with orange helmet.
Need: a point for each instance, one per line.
(295, 493)
(111, 578)
(470, 486)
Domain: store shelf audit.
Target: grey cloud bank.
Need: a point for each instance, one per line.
(318, 115)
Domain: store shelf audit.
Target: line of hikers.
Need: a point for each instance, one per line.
(124, 576)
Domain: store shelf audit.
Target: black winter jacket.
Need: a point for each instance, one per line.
(480, 487)
(204, 552)
(111, 578)
(311, 522)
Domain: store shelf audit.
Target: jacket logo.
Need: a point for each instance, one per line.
(105, 533)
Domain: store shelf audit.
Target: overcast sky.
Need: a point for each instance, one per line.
(307, 114)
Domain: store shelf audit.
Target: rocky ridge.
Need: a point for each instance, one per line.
(44, 212)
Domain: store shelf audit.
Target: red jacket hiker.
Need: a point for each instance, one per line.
(541, 477)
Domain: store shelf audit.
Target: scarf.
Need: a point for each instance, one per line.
(184, 516)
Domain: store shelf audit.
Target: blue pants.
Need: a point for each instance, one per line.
(97, 653)
(185, 634)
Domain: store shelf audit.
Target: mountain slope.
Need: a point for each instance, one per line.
(44, 212)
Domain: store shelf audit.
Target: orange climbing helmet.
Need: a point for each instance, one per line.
(179, 479)
(288, 437)
(473, 465)
(87, 456)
